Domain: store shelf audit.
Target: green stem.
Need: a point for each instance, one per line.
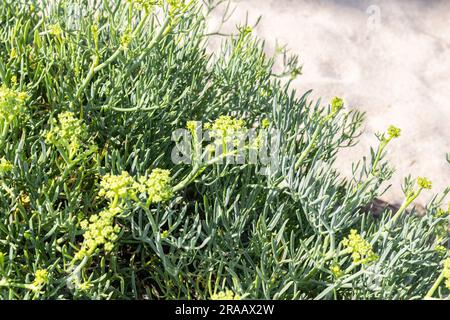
(96, 67)
(191, 176)
(403, 207)
(86, 81)
(396, 216)
(115, 201)
(338, 285)
(4, 133)
(330, 255)
(155, 228)
(76, 271)
(384, 143)
(309, 147)
(8, 284)
(95, 61)
(435, 286)
(197, 169)
(377, 158)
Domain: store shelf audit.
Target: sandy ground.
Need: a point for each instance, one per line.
(388, 58)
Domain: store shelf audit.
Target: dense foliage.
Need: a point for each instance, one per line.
(93, 206)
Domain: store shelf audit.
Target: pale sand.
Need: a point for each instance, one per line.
(395, 68)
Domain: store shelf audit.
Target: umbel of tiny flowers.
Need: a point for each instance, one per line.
(225, 295)
(67, 134)
(12, 56)
(116, 187)
(360, 249)
(40, 279)
(99, 231)
(392, 133)
(12, 104)
(157, 186)
(55, 30)
(424, 183)
(225, 126)
(336, 106)
(126, 39)
(83, 286)
(411, 195)
(245, 30)
(177, 5)
(5, 167)
(192, 126)
(226, 130)
(146, 5)
(164, 234)
(336, 270)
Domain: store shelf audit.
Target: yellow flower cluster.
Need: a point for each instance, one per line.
(225, 123)
(164, 234)
(126, 38)
(40, 278)
(24, 199)
(148, 4)
(424, 183)
(121, 186)
(265, 123)
(440, 249)
(84, 286)
(446, 272)
(225, 127)
(295, 73)
(145, 4)
(192, 126)
(225, 295)
(393, 132)
(12, 56)
(360, 249)
(336, 104)
(157, 186)
(175, 4)
(68, 132)
(99, 230)
(336, 270)
(246, 30)
(55, 30)
(12, 103)
(5, 166)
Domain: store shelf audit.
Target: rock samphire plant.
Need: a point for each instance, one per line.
(93, 205)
